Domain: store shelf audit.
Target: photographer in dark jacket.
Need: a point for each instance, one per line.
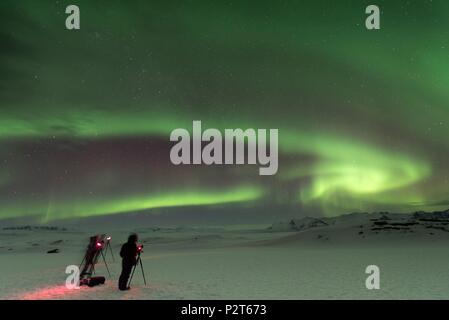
(128, 254)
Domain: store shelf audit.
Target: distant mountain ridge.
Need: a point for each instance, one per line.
(379, 218)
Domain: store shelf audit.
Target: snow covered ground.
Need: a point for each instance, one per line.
(298, 259)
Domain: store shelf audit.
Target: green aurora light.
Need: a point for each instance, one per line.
(363, 117)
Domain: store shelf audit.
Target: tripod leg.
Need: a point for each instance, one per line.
(112, 253)
(143, 273)
(132, 274)
(82, 262)
(107, 268)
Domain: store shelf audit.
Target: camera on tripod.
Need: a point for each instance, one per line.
(98, 246)
(138, 262)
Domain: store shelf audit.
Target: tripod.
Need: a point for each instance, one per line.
(104, 260)
(139, 261)
(89, 268)
(109, 246)
(94, 250)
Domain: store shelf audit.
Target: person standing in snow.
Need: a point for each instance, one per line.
(129, 259)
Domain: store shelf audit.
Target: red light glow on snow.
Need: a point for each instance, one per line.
(48, 293)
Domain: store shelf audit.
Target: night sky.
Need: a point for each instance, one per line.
(363, 116)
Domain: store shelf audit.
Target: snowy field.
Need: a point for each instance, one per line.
(303, 259)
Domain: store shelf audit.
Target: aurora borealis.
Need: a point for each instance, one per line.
(363, 116)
